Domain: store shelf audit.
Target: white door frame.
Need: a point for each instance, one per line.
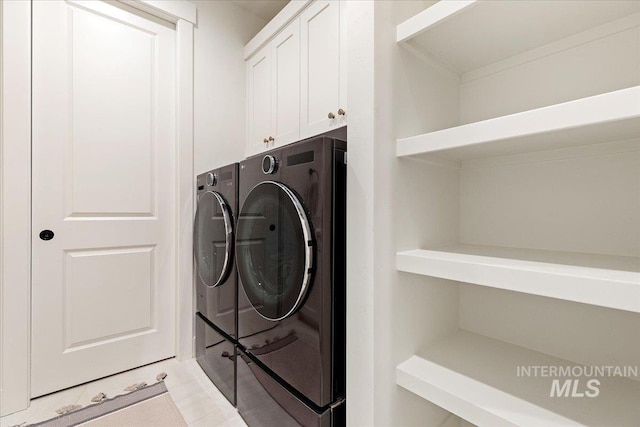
(15, 190)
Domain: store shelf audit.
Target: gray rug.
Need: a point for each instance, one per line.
(148, 406)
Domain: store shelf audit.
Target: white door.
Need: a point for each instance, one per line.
(285, 55)
(103, 287)
(323, 66)
(259, 95)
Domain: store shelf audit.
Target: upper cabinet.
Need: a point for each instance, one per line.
(273, 92)
(285, 84)
(297, 81)
(323, 82)
(259, 95)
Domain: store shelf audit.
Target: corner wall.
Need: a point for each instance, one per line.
(219, 82)
(15, 206)
(391, 314)
(360, 215)
(416, 205)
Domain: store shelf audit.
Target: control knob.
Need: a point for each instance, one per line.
(211, 179)
(269, 164)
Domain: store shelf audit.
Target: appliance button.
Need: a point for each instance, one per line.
(269, 164)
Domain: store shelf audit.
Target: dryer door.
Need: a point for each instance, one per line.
(274, 250)
(213, 239)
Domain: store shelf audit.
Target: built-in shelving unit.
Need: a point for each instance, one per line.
(606, 117)
(482, 380)
(603, 280)
(529, 235)
(510, 31)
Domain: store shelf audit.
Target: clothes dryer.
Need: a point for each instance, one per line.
(216, 276)
(290, 254)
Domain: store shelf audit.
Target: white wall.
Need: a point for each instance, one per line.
(219, 82)
(420, 210)
(385, 325)
(554, 78)
(360, 215)
(15, 206)
(555, 200)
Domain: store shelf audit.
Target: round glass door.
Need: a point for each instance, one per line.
(274, 250)
(213, 236)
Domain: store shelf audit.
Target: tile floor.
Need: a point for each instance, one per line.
(199, 401)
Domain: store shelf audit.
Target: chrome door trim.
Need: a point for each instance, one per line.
(228, 228)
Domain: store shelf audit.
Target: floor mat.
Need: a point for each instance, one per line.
(146, 406)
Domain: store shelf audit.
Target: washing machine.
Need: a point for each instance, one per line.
(216, 276)
(291, 260)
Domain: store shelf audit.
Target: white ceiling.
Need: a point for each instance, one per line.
(265, 9)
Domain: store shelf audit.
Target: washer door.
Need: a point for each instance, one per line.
(213, 239)
(274, 250)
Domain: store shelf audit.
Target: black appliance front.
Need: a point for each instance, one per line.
(290, 254)
(214, 226)
(217, 357)
(264, 402)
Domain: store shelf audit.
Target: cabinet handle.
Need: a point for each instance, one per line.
(341, 112)
(271, 139)
(265, 140)
(331, 116)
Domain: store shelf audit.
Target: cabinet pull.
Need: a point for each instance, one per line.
(271, 139)
(331, 116)
(341, 112)
(265, 140)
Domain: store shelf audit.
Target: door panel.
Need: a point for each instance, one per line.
(102, 269)
(260, 103)
(320, 67)
(103, 159)
(286, 84)
(119, 59)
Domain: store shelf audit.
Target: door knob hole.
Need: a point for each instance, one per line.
(46, 234)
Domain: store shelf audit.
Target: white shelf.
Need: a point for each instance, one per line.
(468, 35)
(430, 17)
(607, 117)
(476, 378)
(602, 280)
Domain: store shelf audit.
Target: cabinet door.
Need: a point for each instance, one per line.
(321, 68)
(259, 93)
(285, 57)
